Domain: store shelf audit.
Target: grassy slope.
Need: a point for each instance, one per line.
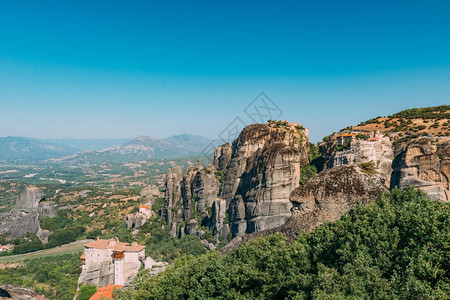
(74, 247)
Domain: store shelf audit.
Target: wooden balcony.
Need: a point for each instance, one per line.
(118, 255)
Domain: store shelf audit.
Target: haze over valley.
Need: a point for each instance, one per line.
(224, 150)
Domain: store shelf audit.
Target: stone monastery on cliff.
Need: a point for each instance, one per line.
(110, 262)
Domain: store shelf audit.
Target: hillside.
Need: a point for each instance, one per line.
(144, 148)
(99, 151)
(432, 121)
(14, 148)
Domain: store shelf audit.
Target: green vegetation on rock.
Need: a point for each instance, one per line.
(315, 164)
(436, 112)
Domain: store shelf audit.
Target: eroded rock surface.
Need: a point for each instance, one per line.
(9, 291)
(425, 164)
(263, 170)
(245, 189)
(149, 194)
(330, 194)
(27, 214)
(325, 197)
(189, 193)
(379, 150)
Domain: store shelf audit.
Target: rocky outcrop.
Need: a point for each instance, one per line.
(9, 291)
(27, 214)
(325, 197)
(189, 195)
(379, 150)
(149, 194)
(245, 189)
(98, 274)
(330, 194)
(222, 156)
(263, 170)
(424, 163)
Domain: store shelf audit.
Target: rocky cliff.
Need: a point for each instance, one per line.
(188, 196)
(245, 189)
(325, 197)
(424, 163)
(9, 291)
(330, 194)
(27, 214)
(340, 150)
(263, 170)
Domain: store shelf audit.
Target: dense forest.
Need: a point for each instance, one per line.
(397, 247)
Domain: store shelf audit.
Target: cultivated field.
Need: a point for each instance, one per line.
(64, 249)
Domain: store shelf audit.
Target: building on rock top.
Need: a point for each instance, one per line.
(110, 262)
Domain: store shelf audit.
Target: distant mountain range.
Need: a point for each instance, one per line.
(101, 150)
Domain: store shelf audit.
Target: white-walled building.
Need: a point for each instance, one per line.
(110, 262)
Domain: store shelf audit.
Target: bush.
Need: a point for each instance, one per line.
(396, 248)
(86, 292)
(368, 167)
(94, 233)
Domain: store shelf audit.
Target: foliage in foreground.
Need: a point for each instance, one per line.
(397, 247)
(55, 277)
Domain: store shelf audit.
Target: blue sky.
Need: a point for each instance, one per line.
(126, 68)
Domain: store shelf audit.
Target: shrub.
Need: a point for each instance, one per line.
(395, 248)
(368, 167)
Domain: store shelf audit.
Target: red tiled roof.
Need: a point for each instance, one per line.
(145, 206)
(105, 292)
(347, 134)
(114, 245)
(83, 256)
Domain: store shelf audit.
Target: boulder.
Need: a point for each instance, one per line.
(9, 291)
(324, 197)
(330, 194)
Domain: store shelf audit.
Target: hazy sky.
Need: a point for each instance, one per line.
(127, 68)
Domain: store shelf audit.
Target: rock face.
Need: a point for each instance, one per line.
(330, 194)
(324, 197)
(263, 170)
(27, 214)
(245, 189)
(149, 194)
(379, 150)
(425, 164)
(9, 291)
(189, 195)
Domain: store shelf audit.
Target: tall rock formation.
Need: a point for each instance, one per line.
(424, 163)
(263, 170)
(27, 215)
(188, 195)
(245, 189)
